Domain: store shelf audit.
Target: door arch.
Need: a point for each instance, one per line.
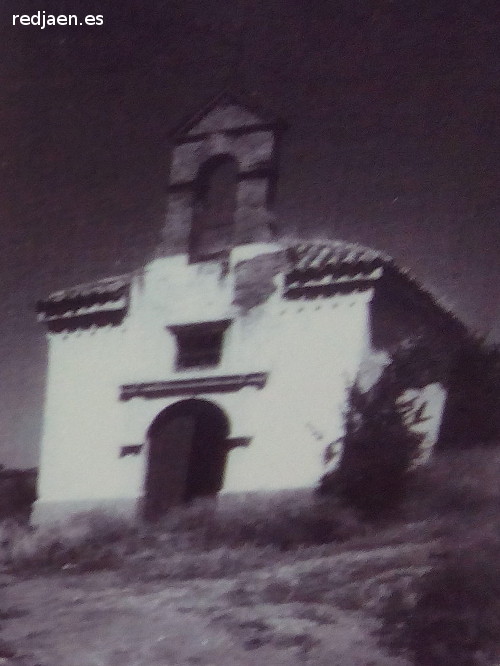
(187, 455)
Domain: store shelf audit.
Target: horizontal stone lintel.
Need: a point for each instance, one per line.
(192, 386)
(262, 172)
(273, 126)
(136, 449)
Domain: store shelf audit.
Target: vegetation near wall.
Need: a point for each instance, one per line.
(429, 572)
(17, 492)
(378, 446)
(431, 568)
(378, 451)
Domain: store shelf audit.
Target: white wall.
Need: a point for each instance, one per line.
(314, 349)
(311, 350)
(79, 447)
(85, 423)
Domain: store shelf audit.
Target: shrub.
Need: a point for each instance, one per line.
(378, 447)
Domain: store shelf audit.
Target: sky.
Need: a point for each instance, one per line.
(393, 141)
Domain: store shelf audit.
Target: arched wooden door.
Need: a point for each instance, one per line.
(187, 455)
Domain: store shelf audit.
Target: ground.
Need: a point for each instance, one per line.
(317, 610)
(280, 582)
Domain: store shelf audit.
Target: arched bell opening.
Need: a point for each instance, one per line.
(215, 192)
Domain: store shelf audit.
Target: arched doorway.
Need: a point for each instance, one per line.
(187, 455)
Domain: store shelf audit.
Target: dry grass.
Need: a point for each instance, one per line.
(90, 541)
(316, 554)
(194, 541)
(451, 614)
(456, 497)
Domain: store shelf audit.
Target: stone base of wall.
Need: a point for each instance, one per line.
(56, 511)
(53, 511)
(236, 500)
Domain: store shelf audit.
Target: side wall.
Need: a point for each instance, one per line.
(401, 313)
(314, 349)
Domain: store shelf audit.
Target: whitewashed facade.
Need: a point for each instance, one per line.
(223, 364)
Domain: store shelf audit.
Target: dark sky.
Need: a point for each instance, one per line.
(393, 141)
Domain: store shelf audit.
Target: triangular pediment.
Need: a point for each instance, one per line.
(224, 113)
(223, 118)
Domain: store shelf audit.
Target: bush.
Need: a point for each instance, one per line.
(454, 617)
(378, 447)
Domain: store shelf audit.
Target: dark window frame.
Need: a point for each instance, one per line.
(199, 345)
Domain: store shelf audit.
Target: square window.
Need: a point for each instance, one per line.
(199, 345)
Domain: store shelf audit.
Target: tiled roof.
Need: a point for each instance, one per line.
(334, 256)
(106, 287)
(104, 295)
(314, 268)
(333, 266)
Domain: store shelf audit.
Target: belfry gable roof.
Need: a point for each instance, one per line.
(227, 111)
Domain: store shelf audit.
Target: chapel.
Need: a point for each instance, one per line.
(223, 364)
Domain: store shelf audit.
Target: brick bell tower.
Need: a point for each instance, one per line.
(222, 180)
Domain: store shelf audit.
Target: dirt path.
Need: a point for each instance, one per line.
(99, 620)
